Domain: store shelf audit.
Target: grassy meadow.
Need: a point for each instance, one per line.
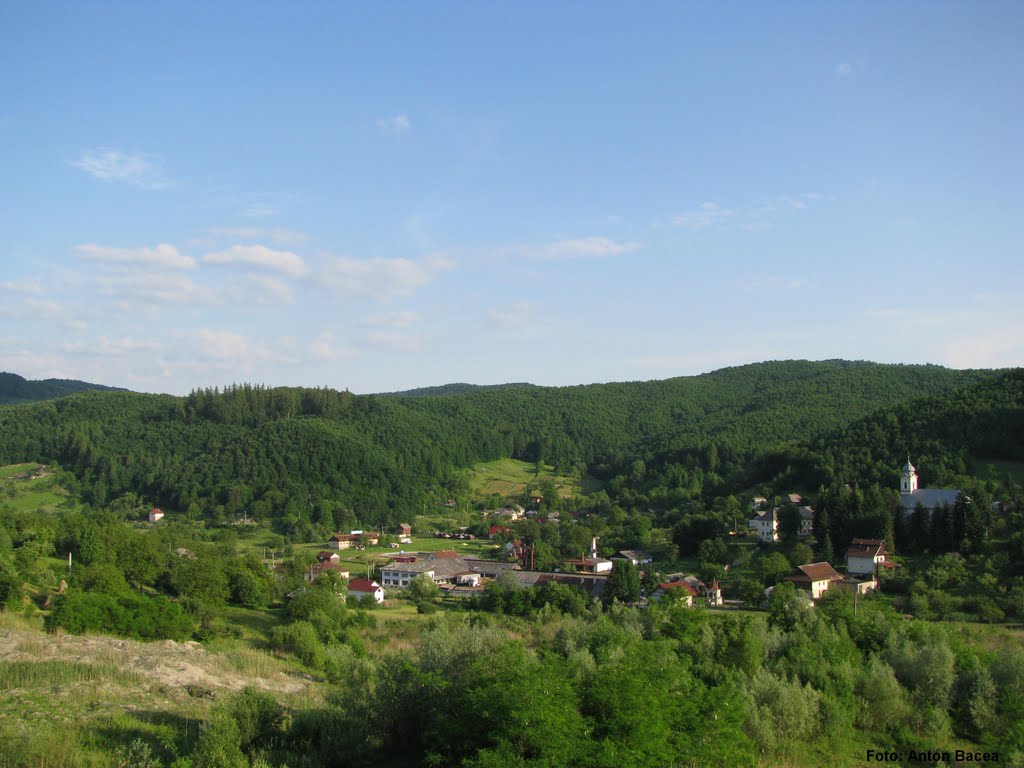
(23, 493)
(511, 477)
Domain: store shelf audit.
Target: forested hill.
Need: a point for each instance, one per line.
(16, 389)
(748, 408)
(944, 433)
(295, 453)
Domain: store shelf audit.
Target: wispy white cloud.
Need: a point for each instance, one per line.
(380, 279)
(392, 320)
(396, 339)
(35, 311)
(765, 213)
(580, 248)
(397, 125)
(752, 217)
(707, 215)
(152, 289)
(522, 319)
(162, 256)
(285, 262)
(113, 165)
(259, 210)
(976, 333)
(324, 349)
(996, 346)
(106, 347)
(226, 346)
(29, 287)
(265, 289)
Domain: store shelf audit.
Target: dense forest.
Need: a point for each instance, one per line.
(314, 456)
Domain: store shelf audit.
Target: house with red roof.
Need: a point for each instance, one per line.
(366, 588)
(155, 514)
(677, 589)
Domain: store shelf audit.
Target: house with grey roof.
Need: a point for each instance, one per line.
(635, 556)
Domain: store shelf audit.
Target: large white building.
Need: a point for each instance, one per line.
(929, 498)
(767, 525)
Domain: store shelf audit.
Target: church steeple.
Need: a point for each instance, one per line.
(909, 482)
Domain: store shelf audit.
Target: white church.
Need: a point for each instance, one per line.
(929, 498)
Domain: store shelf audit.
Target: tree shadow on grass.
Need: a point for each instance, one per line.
(162, 735)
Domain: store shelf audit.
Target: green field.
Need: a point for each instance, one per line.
(30, 494)
(511, 477)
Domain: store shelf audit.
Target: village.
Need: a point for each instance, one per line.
(387, 564)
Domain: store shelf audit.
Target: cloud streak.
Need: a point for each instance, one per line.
(112, 165)
(708, 215)
(286, 262)
(581, 248)
(395, 126)
(380, 279)
(162, 256)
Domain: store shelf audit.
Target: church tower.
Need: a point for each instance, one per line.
(909, 482)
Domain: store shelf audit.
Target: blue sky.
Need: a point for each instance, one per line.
(380, 196)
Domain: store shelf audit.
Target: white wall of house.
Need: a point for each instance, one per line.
(862, 565)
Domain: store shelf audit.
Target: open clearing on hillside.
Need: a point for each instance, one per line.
(511, 477)
(30, 488)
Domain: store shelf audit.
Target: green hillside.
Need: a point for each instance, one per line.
(314, 456)
(16, 389)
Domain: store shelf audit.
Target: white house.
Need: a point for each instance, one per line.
(155, 514)
(767, 525)
(864, 556)
(815, 578)
(366, 588)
